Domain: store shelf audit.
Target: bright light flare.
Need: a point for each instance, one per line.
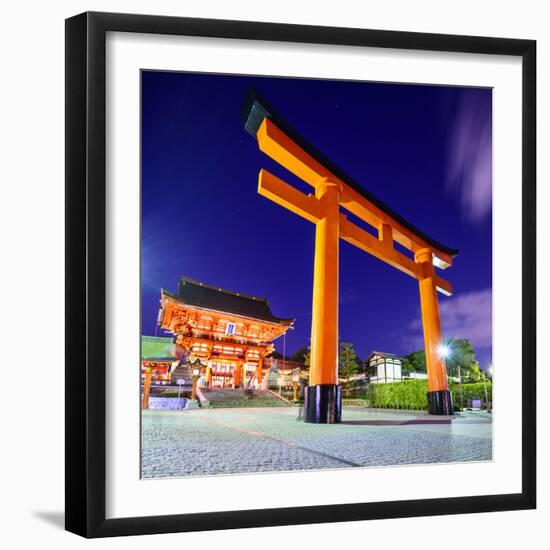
(444, 351)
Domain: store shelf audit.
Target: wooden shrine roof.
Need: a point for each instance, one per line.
(195, 293)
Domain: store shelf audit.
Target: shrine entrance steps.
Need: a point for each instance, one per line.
(182, 373)
(225, 398)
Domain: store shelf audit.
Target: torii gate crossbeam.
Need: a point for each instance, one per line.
(333, 190)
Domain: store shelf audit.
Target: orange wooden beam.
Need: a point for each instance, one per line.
(275, 189)
(382, 250)
(281, 148)
(309, 207)
(360, 238)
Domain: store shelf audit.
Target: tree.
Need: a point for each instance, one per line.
(461, 355)
(301, 356)
(276, 355)
(475, 374)
(415, 361)
(348, 362)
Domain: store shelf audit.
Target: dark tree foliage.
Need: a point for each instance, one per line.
(300, 355)
(415, 361)
(348, 362)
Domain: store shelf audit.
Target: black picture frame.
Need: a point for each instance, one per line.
(86, 274)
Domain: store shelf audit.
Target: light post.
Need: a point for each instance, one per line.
(196, 374)
(460, 386)
(295, 381)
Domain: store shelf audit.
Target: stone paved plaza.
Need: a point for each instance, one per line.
(224, 441)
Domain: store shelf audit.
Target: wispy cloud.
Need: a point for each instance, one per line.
(467, 315)
(469, 173)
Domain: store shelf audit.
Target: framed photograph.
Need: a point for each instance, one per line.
(300, 274)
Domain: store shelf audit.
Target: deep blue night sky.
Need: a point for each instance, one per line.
(423, 150)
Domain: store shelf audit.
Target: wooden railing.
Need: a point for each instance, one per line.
(278, 396)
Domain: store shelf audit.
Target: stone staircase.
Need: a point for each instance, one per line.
(182, 373)
(225, 398)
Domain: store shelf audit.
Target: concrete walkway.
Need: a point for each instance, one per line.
(224, 441)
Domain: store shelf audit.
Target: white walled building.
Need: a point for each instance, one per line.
(384, 367)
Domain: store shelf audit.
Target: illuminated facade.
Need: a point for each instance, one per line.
(226, 335)
(384, 367)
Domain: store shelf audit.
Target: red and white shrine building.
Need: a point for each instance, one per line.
(230, 333)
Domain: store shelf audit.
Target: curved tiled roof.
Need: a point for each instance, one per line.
(206, 296)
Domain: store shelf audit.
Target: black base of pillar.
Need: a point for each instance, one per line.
(440, 402)
(323, 404)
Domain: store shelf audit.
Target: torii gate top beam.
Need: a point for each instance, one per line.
(281, 142)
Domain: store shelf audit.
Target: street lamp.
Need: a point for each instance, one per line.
(460, 386)
(444, 350)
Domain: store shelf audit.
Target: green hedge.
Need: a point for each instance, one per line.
(471, 391)
(411, 394)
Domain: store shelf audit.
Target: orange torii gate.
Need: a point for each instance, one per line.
(333, 190)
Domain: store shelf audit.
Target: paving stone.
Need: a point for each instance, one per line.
(225, 441)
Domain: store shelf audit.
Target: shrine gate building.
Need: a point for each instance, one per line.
(226, 334)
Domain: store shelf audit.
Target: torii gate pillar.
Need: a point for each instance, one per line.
(323, 402)
(439, 396)
(335, 190)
